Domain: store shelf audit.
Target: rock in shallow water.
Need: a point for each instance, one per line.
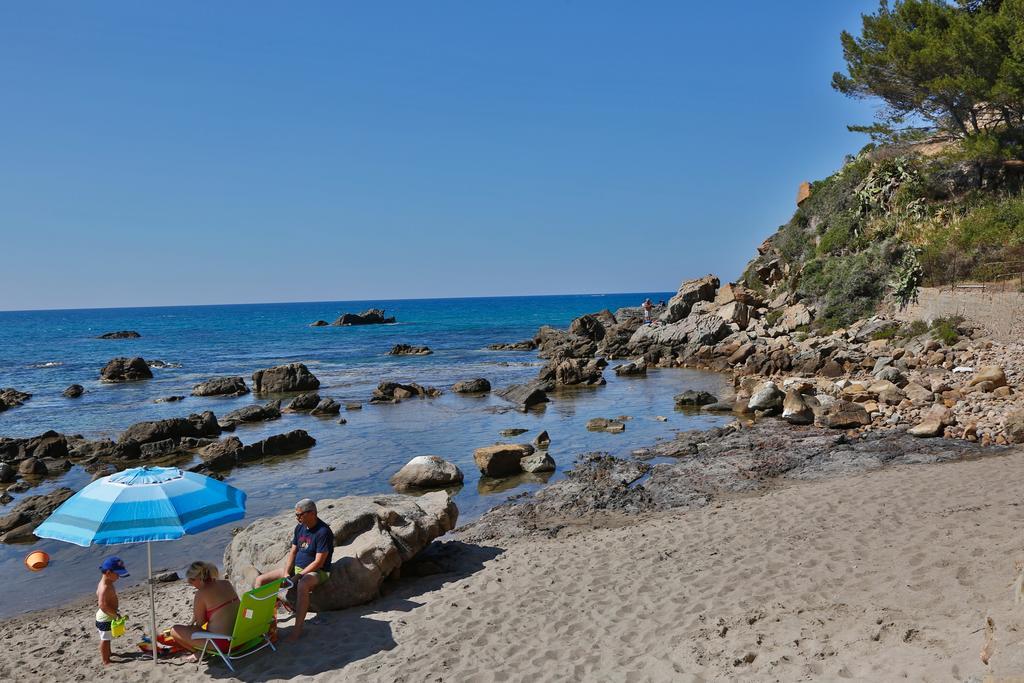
(426, 471)
(284, 379)
(125, 370)
(501, 460)
(373, 537)
(74, 391)
(221, 386)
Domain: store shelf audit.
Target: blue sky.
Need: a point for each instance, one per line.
(231, 152)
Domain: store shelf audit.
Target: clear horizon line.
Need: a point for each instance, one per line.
(267, 303)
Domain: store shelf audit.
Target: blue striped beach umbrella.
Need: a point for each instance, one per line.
(144, 504)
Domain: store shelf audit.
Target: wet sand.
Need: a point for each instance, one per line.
(878, 576)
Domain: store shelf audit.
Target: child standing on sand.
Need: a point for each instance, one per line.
(112, 569)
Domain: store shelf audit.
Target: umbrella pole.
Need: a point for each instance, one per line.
(152, 600)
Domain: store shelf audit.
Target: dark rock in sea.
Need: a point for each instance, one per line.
(514, 431)
(7, 473)
(407, 350)
(284, 379)
(632, 369)
(157, 449)
(393, 392)
(230, 452)
(162, 364)
(221, 386)
(523, 396)
(574, 371)
(303, 403)
(603, 424)
(17, 525)
(125, 370)
(538, 462)
(525, 345)
(319, 323)
(122, 334)
(74, 391)
(33, 467)
(12, 398)
(556, 344)
(353, 406)
(253, 413)
(287, 443)
(195, 441)
(327, 406)
(472, 386)
(373, 316)
(694, 399)
(202, 425)
(543, 440)
(169, 399)
(589, 327)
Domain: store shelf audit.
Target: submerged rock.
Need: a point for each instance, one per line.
(408, 350)
(525, 345)
(73, 391)
(603, 424)
(472, 386)
(524, 396)
(12, 398)
(121, 334)
(373, 536)
(253, 413)
(393, 392)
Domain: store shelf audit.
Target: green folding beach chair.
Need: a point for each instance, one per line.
(256, 612)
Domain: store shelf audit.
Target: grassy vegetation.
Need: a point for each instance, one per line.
(945, 329)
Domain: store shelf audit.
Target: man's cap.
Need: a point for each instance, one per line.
(114, 564)
(305, 505)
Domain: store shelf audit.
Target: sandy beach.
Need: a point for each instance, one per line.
(878, 576)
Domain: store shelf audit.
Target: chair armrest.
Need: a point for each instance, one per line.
(206, 635)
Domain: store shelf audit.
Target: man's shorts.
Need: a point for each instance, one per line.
(103, 628)
(321, 575)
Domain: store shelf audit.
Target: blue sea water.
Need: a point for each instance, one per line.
(42, 352)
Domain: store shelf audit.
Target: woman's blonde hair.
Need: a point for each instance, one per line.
(204, 571)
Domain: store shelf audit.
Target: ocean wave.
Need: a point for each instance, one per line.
(47, 364)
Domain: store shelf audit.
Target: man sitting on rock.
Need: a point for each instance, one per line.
(309, 559)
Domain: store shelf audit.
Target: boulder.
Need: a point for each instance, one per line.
(7, 473)
(735, 312)
(523, 396)
(373, 536)
(794, 317)
(284, 379)
(221, 386)
(603, 424)
(33, 467)
(933, 423)
(125, 370)
(690, 292)
(426, 471)
(156, 449)
(327, 406)
(18, 524)
(767, 396)
(631, 369)
(252, 413)
(303, 403)
(990, 373)
(732, 292)
(540, 461)
(1013, 425)
(843, 415)
(513, 431)
(501, 460)
(472, 386)
(694, 399)
(698, 330)
(121, 334)
(589, 327)
(372, 316)
(557, 344)
(221, 455)
(542, 440)
(408, 350)
(201, 425)
(287, 443)
(74, 391)
(917, 393)
(168, 399)
(574, 372)
(319, 323)
(795, 409)
(12, 398)
(393, 392)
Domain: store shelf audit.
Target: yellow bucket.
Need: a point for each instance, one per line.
(117, 626)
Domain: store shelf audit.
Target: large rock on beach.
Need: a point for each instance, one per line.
(373, 536)
(766, 397)
(843, 415)
(1013, 425)
(221, 386)
(795, 409)
(18, 524)
(409, 350)
(472, 386)
(284, 379)
(121, 334)
(426, 472)
(690, 292)
(372, 316)
(523, 396)
(125, 370)
(992, 374)
(501, 460)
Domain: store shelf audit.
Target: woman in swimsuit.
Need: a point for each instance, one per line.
(214, 609)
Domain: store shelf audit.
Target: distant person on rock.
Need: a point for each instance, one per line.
(309, 559)
(648, 307)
